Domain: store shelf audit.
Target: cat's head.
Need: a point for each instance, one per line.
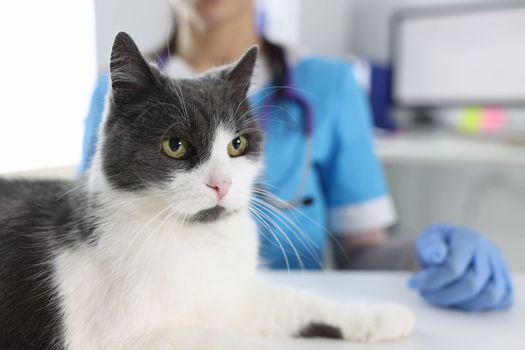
(191, 144)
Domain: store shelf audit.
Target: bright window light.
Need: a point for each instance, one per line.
(47, 73)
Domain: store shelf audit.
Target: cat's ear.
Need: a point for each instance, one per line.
(130, 74)
(239, 75)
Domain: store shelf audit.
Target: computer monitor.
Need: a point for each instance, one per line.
(459, 55)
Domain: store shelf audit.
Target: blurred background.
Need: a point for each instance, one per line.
(445, 78)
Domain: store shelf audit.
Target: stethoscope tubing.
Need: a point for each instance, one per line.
(290, 93)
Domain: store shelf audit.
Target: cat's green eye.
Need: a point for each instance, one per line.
(237, 147)
(175, 147)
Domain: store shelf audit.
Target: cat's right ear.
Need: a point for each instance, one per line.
(239, 75)
(130, 74)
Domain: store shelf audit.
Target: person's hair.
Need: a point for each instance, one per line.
(273, 52)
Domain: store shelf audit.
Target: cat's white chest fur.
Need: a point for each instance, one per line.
(161, 277)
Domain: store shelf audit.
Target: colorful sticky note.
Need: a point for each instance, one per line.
(470, 120)
(493, 120)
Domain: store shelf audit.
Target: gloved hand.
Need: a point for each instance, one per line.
(461, 269)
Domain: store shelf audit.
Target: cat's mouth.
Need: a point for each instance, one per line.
(211, 214)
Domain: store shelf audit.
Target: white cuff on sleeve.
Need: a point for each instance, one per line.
(377, 213)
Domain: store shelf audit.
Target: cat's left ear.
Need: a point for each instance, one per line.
(239, 76)
(131, 75)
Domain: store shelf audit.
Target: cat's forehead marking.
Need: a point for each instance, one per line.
(223, 136)
(203, 106)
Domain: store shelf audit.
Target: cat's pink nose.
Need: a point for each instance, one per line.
(221, 187)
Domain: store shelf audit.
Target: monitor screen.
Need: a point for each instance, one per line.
(460, 56)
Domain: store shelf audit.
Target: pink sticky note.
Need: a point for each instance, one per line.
(493, 119)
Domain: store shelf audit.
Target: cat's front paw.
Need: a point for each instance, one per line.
(389, 322)
(377, 322)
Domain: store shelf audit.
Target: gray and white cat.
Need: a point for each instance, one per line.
(156, 248)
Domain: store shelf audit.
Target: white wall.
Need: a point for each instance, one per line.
(147, 21)
(283, 18)
(47, 72)
(327, 26)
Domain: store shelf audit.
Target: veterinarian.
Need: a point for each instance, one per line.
(321, 171)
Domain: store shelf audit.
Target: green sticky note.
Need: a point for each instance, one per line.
(470, 120)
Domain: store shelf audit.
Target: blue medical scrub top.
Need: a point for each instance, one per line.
(344, 174)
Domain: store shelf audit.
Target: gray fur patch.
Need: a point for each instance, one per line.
(211, 214)
(320, 330)
(37, 219)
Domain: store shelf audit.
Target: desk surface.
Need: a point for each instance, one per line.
(435, 328)
(440, 147)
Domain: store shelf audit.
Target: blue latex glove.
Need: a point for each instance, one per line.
(461, 269)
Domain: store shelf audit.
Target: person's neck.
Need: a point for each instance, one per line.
(204, 47)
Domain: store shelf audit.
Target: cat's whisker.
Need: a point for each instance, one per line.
(136, 235)
(80, 186)
(277, 107)
(120, 204)
(178, 91)
(288, 240)
(261, 220)
(293, 228)
(279, 212)
(272, 197)
(267, 92)
(243, 101)
(302, 238)
(276, 88)
(149, 238)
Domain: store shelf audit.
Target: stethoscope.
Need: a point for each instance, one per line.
(286, 93)
(289, 93)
